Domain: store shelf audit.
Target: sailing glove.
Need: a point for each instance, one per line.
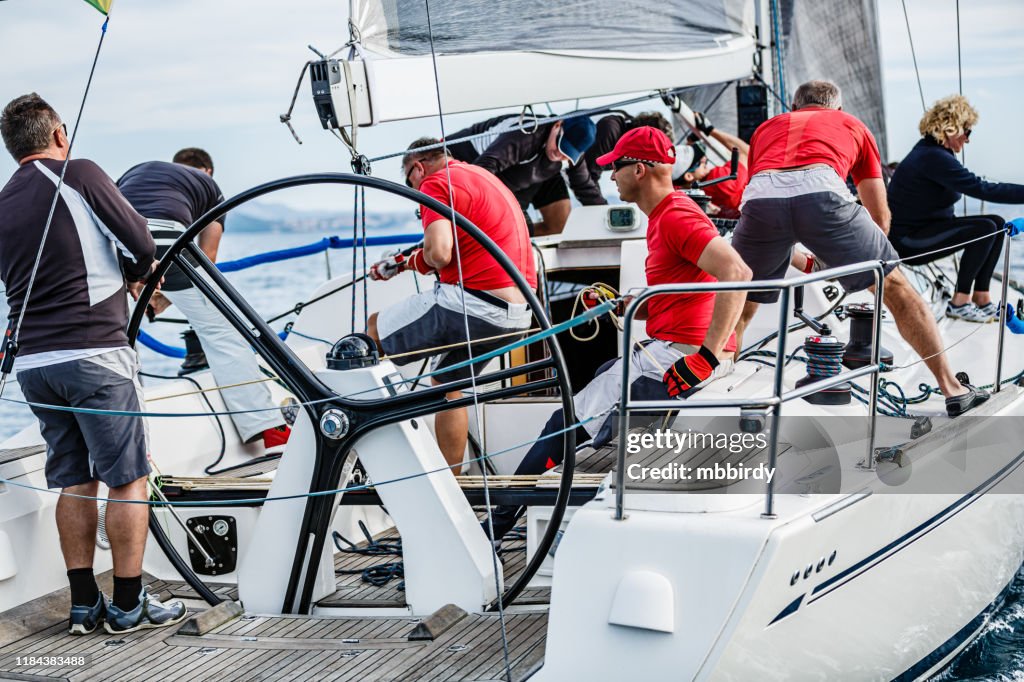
(702, 123)
(388, 267)
(1013, 323)
(1015, 227)
(690, 370)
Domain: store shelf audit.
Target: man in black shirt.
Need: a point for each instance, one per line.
(528, 156)
(74, 353)
(172, 196)
(611, 127)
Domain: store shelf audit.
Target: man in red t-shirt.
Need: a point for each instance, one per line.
(797, 193)
(692, 166)
(473, 289)
(691, 334)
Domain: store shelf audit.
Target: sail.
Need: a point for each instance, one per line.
(400, 27)
(492, 53)
(833, 41)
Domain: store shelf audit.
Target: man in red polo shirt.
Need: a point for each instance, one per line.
(797, 193)
(492, 304)
(691, 334)
(692, 166)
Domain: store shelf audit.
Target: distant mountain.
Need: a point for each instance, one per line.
(268, 217)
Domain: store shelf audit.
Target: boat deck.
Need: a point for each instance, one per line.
(287, 647)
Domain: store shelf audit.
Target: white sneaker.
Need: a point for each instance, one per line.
(991, 310)
(968, 312)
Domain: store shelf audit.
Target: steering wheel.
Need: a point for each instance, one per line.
(363, 415)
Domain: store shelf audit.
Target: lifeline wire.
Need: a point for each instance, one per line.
(551, 331)
(472, 368)
(12, 346)
(322, 493)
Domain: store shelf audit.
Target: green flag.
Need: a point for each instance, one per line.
(101, 5)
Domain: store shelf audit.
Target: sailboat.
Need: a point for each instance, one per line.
(878, 548)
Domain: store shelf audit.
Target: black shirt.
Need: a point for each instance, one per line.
(520, 160)
(930, 181)
(78, 298)
(170, 191)
(609, 129)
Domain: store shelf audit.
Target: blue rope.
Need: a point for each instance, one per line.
(158, 346)
(324, 244)
(155, 344)
(314, 248)
(363, 486)
(778, 52)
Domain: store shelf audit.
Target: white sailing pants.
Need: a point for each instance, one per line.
(231, 360)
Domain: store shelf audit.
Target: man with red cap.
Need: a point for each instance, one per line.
(691, 334)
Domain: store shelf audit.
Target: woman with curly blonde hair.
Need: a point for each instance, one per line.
(922, 194)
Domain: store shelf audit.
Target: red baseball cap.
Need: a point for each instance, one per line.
(641, 144)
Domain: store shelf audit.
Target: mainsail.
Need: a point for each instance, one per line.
(399, 27)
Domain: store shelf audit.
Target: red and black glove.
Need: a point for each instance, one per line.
(690, 370)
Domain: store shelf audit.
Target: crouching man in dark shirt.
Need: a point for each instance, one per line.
(172, 196)
(74, 353)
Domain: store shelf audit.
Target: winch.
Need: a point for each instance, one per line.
(858, 350)
(824, 360)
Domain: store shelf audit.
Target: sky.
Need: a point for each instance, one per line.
(218, 73)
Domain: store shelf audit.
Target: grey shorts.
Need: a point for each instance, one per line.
(812, 207)
(435, 318)
(88, 447)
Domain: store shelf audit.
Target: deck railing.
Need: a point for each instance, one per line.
(779, 396)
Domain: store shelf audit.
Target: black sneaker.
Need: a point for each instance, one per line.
(959, 404)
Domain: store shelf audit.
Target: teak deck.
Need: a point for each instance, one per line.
(286, 647)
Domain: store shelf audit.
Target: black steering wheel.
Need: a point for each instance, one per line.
(363, 415)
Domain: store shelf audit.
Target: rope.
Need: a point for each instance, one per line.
(780, 64)
(11, 344)
(913, 55)
(355, 225)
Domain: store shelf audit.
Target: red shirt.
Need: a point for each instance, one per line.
(677, 233)
(727, 195)
(488, 204)
(816, 135)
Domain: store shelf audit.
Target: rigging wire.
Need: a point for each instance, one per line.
(495, 564)
(366, 282)
(913, 55)
(960, 86)
(355, 252)
(11, 344)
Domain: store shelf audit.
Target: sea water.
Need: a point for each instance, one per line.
(274, 288)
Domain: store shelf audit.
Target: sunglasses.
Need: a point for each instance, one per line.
(408, 182)
(967, 133)
(626, 163)
(62, 126)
